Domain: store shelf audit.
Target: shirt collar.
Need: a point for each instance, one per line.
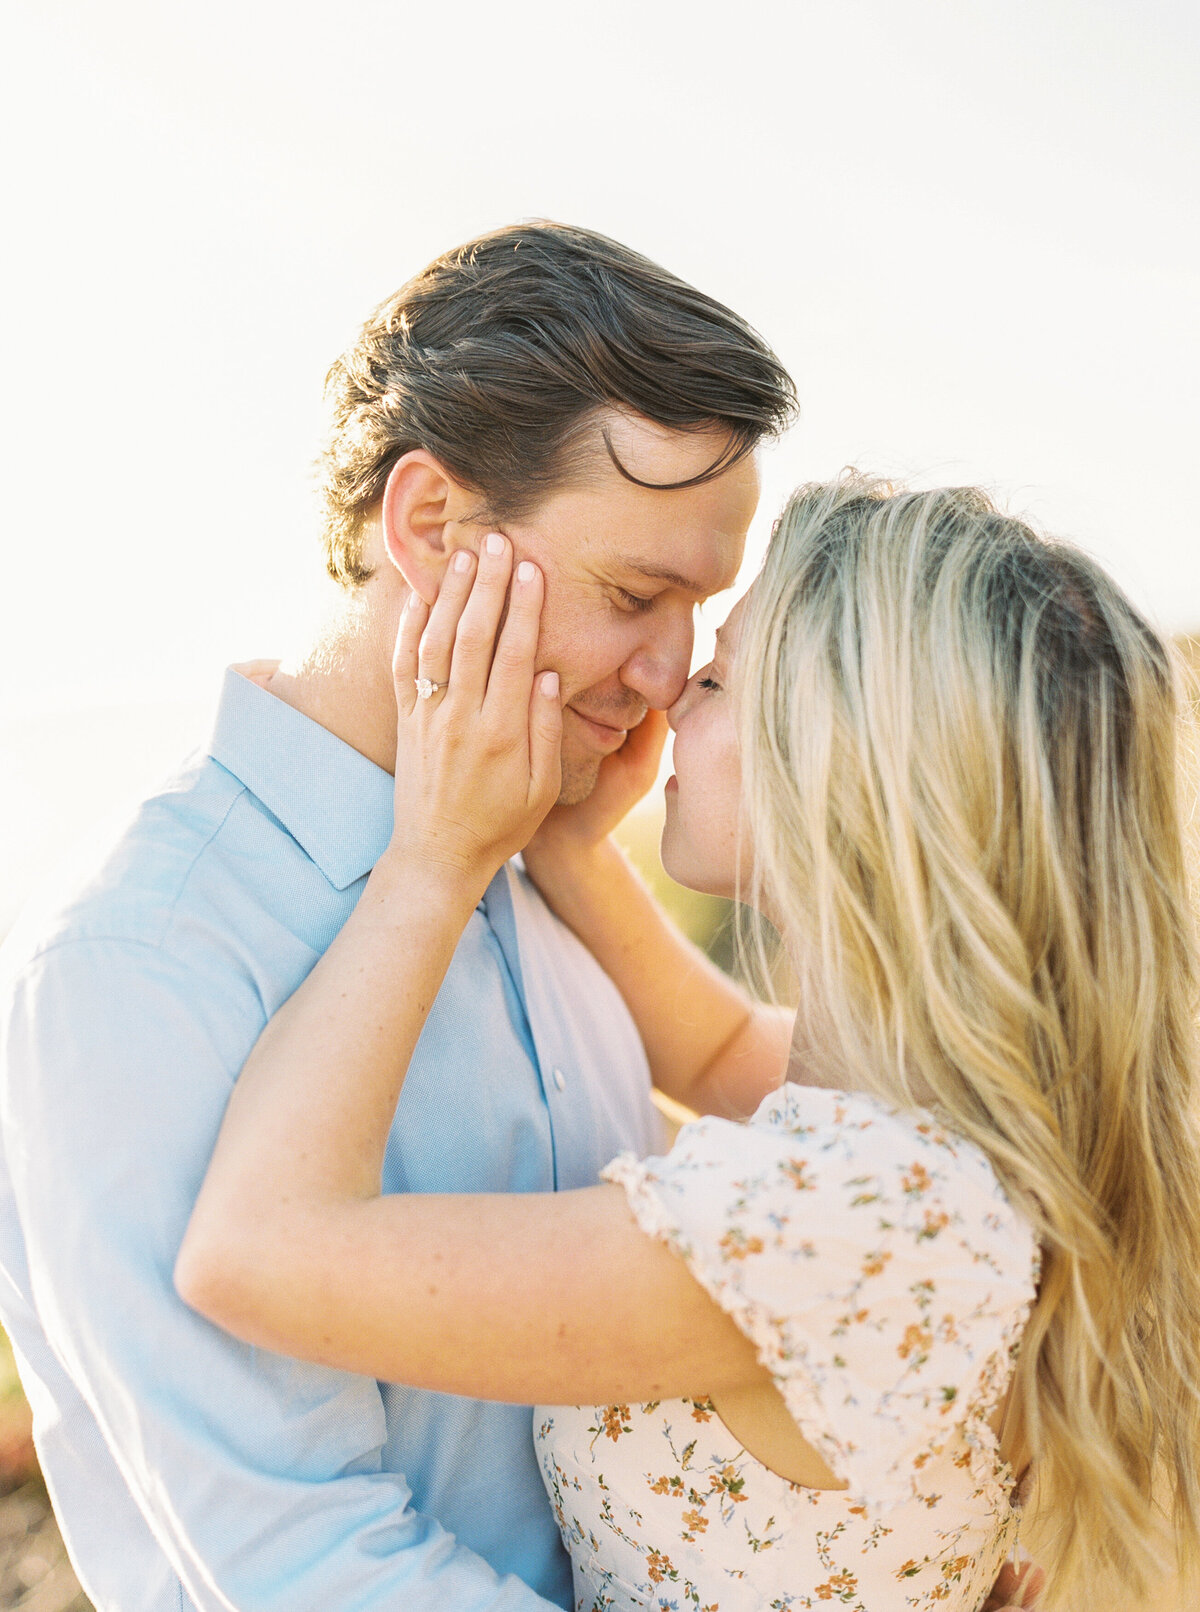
(334, 802)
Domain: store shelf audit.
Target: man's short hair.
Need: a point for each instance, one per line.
(498, 356)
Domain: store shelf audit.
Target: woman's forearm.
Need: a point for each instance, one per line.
(332, 1061)
(710, 1045)
(555, 1298)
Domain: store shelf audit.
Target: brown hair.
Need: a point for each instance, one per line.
(497, 356)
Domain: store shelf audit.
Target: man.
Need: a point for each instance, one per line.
(543, 381)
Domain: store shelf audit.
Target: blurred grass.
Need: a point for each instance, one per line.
(9, 1382)
(18, 1462)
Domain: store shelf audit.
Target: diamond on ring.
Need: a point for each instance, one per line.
(426, 688)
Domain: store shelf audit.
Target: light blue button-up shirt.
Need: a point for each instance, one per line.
(189, 1470)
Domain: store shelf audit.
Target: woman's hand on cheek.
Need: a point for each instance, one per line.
(477, 758)
(625, 777)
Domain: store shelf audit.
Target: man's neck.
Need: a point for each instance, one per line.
(344, 680)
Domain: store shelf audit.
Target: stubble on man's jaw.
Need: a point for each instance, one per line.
(578, 780)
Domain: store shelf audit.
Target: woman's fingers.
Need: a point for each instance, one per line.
(437, 642)
(545, 740)
(642, 750)
(475, 642)
(511, 676)
(405, 665)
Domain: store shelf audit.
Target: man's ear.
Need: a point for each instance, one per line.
(421, 516)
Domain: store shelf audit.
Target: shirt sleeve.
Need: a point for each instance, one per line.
(260, 1477)
(873, 1260)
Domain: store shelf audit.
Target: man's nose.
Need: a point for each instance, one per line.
(678, 707)
(658, 669)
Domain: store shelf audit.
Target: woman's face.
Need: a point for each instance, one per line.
(700, 843)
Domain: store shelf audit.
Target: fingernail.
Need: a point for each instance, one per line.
(494, 543)
(414, 599)
(462, 560)
(550, 685)
(526, 571)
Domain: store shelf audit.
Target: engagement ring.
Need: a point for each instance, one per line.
(426, 689)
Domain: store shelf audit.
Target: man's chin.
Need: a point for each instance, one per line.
(579, 774)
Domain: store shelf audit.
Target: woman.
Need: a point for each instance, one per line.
(938, 754)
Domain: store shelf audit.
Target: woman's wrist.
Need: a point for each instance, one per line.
(558, 861)
(406, 874)
(582, 883)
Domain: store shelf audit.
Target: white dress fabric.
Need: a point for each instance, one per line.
(885, 1279)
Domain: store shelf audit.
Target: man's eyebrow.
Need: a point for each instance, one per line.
(674, 579)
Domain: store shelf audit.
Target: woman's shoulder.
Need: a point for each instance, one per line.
(861, 1155)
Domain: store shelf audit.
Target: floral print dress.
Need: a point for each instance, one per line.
(885, 1279)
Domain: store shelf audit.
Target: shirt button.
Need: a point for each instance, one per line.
(560, 1080)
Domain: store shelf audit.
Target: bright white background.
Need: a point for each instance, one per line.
(970, 230)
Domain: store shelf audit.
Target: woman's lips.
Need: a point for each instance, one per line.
(602, 734)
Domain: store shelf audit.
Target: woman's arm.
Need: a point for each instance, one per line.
(551, 1298)
(710, 1045)
(291, 1245)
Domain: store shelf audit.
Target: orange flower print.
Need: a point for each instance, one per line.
(695, 1522)
(916, 1340)
(702, 1410)
(659, 1566)
(665, 1485)
(796, 1170)
(615, 1421)
(727, 1481)
(874, 1263)
(909, 1570)
(736, 1245)
(916, 1181)
(843, 1585)
(933, 1225)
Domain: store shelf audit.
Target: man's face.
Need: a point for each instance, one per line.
(625, 568)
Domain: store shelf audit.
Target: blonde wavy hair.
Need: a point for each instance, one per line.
(962, 781)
